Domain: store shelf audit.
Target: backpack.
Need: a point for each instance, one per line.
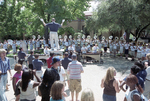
(143, 98)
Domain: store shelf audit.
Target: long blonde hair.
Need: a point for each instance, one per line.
(87, 95)
(2, 50)
(109, 75)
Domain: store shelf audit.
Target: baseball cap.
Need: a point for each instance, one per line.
(54, 60)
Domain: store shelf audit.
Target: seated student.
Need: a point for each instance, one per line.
(84, 49)
(87, 95)
(46, 50)
(71, 48)
(95, 49)
(89, 48)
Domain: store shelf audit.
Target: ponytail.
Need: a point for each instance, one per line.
(139, 88)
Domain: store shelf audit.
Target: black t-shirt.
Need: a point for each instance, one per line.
(50, 76)
(53, 26)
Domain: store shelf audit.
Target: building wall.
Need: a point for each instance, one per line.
(76, 24)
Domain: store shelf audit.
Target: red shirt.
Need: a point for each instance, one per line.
(49, 61)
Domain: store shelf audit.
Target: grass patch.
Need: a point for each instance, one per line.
(11, 55)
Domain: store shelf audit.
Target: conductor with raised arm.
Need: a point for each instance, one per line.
(53, 26)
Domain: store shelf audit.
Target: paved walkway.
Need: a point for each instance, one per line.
(91, 78)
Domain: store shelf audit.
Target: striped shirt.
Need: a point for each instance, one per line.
(4, 65)
(75, 68)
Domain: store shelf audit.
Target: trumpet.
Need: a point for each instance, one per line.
(79, 36)
(121, 38)
(83, 36)
(33, 36)
(134, 38)
(89, 37)
(95, 36)
(103, 37)
(65, 37)
(70, 36)
(39, 36)
(110, 37)
(116, 38)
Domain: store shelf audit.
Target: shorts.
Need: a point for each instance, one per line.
(118, 47)
(110, 49)
(133, 53)
(126, 51)
(105, 49)
(75, 85)
(67, 75)
(121, 50)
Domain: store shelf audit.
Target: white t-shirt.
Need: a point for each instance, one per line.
(83, 49)
(115, 46)
(128, 95)
(105, 44)
(121, 46)
(99, 44)
(126, 46)
(148, 73)
(139, 49)
(66, 43)
(46, 51)
(132, 48)
(13, 45)
(71, 48)
(5, 45)
(30, 93)
(95, 49)
(62, 71)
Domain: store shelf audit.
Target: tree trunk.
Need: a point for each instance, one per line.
(127, 35)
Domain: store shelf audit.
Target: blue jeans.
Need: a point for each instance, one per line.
(26, 100)
(3, 82)
(109, 97)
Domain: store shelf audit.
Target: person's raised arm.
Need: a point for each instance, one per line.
(62, 22)
(43, 22)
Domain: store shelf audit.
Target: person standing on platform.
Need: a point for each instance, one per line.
(4, 67)
(75, 69)
(49, 60)
(65, 61)
(53, 26)
(30, 59)
(21, 55)
(37, 65)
